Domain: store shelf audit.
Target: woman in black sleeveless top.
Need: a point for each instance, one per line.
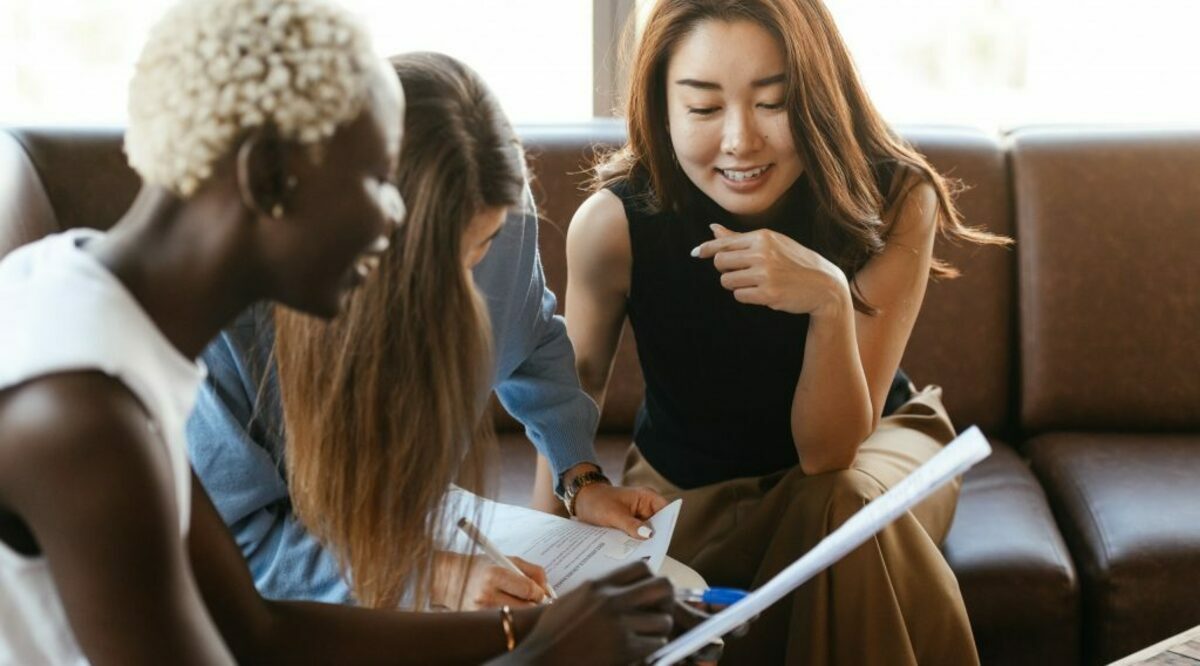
(770, 239)
(720, 375)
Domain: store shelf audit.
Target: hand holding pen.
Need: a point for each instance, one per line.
(499, 559)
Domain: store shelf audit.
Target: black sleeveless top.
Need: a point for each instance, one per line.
(720, 375)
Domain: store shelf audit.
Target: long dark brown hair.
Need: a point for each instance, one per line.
(841, 138)
(384, 406)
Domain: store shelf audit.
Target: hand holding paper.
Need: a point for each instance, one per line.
(622, 507)
(570, 551)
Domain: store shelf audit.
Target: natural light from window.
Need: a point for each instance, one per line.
(1004, 63)
(69, 61)
(988, 63)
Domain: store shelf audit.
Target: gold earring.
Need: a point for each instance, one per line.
(277, 211)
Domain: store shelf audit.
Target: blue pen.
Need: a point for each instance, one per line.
(713, 596)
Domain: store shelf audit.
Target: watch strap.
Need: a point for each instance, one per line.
(579, 482)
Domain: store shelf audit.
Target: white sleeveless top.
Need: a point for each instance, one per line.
(64, 311)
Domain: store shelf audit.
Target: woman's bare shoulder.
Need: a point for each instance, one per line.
(913, 212)
(601, 213)
(74, 430)
(599, 232)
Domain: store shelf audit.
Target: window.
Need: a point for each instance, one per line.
(1003, 63)
(535, 54)
(990, 63)
(68, 62)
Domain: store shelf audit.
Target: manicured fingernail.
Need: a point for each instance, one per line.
(645, 532)
(714, 226)
(696, 251)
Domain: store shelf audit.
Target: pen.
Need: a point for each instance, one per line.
(714, 596)
(494, 553)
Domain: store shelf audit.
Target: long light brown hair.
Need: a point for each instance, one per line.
(841, 138)
(384, 406)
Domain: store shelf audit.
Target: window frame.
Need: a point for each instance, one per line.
(609, 18)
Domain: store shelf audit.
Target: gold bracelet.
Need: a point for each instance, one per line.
(506, 622)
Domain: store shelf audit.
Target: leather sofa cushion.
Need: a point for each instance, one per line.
(1108, 225)
(1016, 576)
(1129, 507)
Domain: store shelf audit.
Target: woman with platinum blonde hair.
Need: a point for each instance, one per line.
(266, 134)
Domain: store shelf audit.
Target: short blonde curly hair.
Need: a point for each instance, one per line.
(213, 69)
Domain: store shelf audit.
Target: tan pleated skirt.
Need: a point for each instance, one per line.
(893, 600)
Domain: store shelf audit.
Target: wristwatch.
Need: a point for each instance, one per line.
(579, 482)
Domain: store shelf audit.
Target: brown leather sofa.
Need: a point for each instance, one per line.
(1078, 541)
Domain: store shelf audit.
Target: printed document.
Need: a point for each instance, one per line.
(570, 551)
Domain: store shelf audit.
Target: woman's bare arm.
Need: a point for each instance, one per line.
(81, 467)
(894, 282)
(848, 351)
(599, 260)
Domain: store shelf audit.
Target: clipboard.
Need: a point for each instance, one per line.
(955, 458)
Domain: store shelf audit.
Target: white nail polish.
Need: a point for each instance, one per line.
(645, 532)
(696, 251)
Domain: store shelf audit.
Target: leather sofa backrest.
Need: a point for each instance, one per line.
(963, 340)
(25, 210)
(1109, 223)
(83, 173)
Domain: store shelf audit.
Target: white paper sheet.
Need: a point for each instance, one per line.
(570, 551)
(956, 458)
